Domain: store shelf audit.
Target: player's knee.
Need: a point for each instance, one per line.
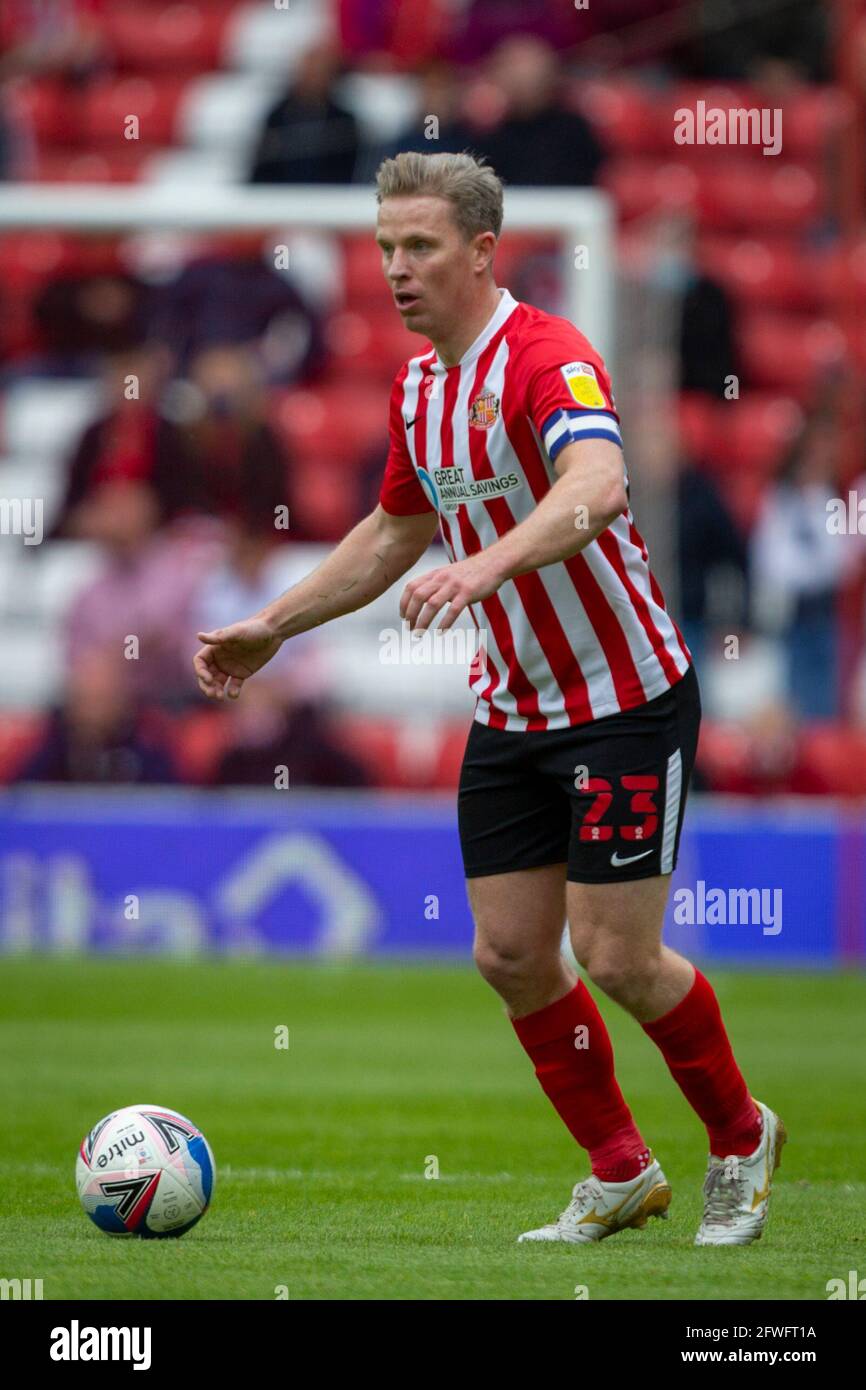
(502, 967)
(620, 974)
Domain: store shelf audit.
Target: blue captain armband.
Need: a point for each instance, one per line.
(570, 426)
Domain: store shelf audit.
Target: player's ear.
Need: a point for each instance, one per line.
(484, 246)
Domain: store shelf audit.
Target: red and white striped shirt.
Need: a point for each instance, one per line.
(476, 442)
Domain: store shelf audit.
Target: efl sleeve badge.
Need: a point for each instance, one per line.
(583, 385)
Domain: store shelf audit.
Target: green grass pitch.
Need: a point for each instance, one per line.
(321, 1148)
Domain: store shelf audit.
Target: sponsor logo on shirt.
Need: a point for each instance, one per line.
(484, 411)
(448, 489)
(583, 384)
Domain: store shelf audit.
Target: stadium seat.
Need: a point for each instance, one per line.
(744, 494)
(845, 274)
(376, 745)
(265, 41)
(331, 417)
(750, 434)
(813, 116)
(362, 269)
(383, 104)
(184, 37)
(226, 111)
(641, 186)
(106, 166)
(47, 110)
(625, 115)
(769, 271)
(197, 742)
(739, 195)
(205, 168)
(790, 352)
(18, 737)
(838, 755)
(108, 104)
(373, 345)
(749, 196)
(43, 419)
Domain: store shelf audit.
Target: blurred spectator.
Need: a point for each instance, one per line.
(308, 136)
(145, 592)
(439, 95)
(241, 463)
(131, 442)
(219, 298)
(272, 730)
(745, 37)
(250, 569)
(799, 566)
(486, 23)
(99, 734)
(404, 33)
(80, 317)
(763, 757)
(710, 548)
(538, 142)
(58, 39)
(705, 341)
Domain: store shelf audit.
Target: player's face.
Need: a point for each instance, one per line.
(429, 265)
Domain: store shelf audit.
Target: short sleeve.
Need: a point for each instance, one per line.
(401, 493)
(568, 391)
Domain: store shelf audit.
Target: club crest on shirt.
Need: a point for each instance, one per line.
(484, 410)
(583, 384)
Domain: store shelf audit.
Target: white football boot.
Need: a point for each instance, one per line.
(598, 1209)
(737, 1188)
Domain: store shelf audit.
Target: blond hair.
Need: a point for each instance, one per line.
(471, 187)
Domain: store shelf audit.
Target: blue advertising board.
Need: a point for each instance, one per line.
(186, 872)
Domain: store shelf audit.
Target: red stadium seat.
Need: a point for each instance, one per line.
(48, 109)
(371, 345)
(181, 37)
(376, 744)
(749, 435)
(838, 755)
(82, 166)
(769, 271)
(332, 419)
(751, 196)
(744, 494)
(845, 274)
(698, 422)
(19, 735)
(624, 114)
(813, 117)
(197, 742)
(640, 186)
(362, 268)
(110, 102)
(790, 352)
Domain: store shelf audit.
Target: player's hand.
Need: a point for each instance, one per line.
(231, 655)
(458, 585)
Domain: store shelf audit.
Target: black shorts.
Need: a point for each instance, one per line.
(607, 798)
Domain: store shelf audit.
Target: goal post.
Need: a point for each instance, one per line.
(582, 218)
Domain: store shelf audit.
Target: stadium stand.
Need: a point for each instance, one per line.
(200, 79)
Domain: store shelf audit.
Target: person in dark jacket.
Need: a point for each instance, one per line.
(99, 734)
(308, 137)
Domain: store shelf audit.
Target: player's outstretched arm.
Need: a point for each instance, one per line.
(367, 561)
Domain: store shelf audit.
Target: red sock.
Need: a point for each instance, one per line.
(580, 1082)
(693, 1042)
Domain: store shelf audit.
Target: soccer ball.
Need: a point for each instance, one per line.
(145, 1171)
